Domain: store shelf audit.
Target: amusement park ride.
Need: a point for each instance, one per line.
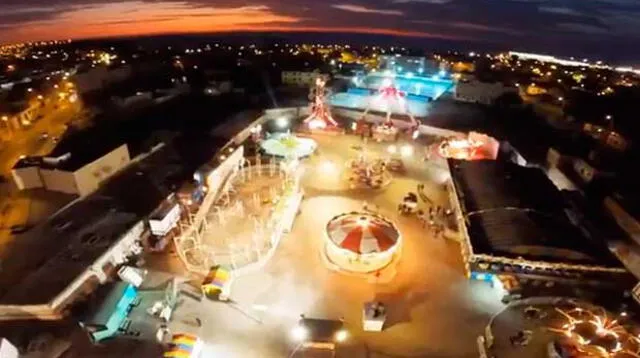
(320, 117)
(389, 94)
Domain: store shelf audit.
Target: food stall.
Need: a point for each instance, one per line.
(183, 346)
(217, 283)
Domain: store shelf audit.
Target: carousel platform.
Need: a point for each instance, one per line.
(382, 276)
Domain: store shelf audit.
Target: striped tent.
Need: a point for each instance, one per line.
(362, 233)
(182, 346)
(216, 280)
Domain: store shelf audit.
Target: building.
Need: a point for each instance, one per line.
(72, 168)
(16, 116)
(99, 77)
(404, 64)
(474, 91)
(300, 78)
(606, 136)
(70, 265)
(519, 229)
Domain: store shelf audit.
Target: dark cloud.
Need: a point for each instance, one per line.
(538, 23)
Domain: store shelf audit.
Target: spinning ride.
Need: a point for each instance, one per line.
(589, 334)
(285, 145)
(368, 173)
(320, 117)
(361, 242)
(389, 95)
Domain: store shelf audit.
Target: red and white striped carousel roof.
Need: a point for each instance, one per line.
(362, 233)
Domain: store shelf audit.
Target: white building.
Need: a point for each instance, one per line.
(474, 91)
(300, 78)
(80, 172)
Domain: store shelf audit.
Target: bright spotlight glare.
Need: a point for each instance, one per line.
(392, 149)
(317, 124)
(415, 134)
(442, 73)
(282, 122)
(299, 333)
(327, 167)
(342, 335)
(406, 151)
(409, 74)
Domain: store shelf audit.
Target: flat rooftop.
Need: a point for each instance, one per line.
(38, 264)
(80, 147)
(514, 211)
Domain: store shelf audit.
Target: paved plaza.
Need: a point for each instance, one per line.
(433, 310)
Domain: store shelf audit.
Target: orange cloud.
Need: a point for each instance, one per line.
(141, 18)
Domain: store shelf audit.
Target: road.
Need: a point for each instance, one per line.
(29, 141)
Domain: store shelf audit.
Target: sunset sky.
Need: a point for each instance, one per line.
(604, 26)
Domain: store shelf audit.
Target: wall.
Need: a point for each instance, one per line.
(89, 177)
(24, 312)
(299, 78)
(222, 172)
(27, 178)
(58, 180)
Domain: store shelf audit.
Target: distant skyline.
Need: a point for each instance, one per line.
(607, 29)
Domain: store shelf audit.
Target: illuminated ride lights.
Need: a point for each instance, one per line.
(388, 93)
(473, 147)
(288, 146)
(361, 242)
(320, 117)
(595, 335)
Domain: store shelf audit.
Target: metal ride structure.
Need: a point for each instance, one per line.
(389, 94)
(591, 333)
(320, 117)
(239, 226)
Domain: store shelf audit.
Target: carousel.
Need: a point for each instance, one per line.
(286, 145)
(361, 242)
